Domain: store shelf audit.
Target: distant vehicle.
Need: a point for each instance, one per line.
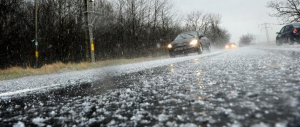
(189, 42)
(288, 34)
(230, 46)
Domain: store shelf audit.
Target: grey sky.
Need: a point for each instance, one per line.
(239, 17)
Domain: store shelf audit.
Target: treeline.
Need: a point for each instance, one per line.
(209, 24)
(124, 29)
(246, 40)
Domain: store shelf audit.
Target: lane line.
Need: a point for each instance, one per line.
(26, 90)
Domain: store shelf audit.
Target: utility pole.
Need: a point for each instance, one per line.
(91, 31)
(36, 35)
(266, 26)
(86, 31)
(88, 17)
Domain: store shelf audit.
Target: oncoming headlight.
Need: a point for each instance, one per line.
(194, 42)
(169, 46)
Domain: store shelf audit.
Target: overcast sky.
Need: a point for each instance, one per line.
(239, 17)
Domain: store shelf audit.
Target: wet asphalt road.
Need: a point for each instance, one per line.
(242, 87)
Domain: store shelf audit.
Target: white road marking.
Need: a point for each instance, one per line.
(26, 90)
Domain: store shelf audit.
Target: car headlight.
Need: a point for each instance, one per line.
(227, 46)
(169, 46)
(194, 42)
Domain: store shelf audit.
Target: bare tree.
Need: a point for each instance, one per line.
(125, 29)
(15, 33)
(138, 26)
(218, 35)
(246, 39)
(287, 10)
(209, 24)
(198, 21)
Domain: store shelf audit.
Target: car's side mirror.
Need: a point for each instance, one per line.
(201, 36)
(277, 32)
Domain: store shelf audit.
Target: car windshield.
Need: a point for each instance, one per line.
(149, 63)
(296, 25)
(186, 36)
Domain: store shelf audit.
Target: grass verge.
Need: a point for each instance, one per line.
(59, 67)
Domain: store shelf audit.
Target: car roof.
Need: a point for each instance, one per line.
(189, 32)
(192, 32)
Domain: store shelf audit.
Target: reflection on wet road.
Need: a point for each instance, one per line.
(247, 87)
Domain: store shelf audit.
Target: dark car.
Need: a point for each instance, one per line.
(288, 34)
(189, 42)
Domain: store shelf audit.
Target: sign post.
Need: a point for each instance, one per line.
(36, 36)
